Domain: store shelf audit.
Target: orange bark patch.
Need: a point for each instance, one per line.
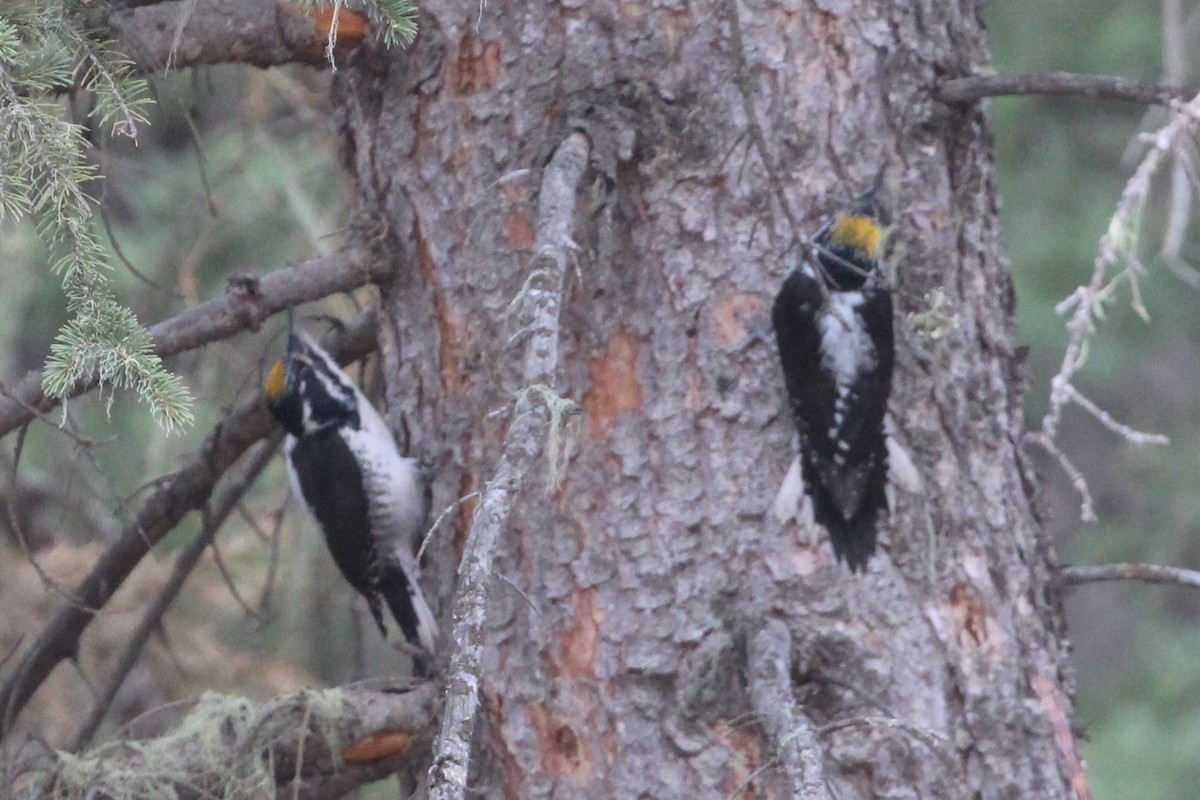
(476, 67)
(579, 641)
(733, 317)
(969, 615)
(452, 333)
(519, 229)
(742, 745)
(615, 386)
(377, 747)
(352, 26)
(1054, 709)
(562, 751)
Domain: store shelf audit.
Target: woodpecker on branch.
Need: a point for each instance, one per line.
(370, 502)
(833, 324)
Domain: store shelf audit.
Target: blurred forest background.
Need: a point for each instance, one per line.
(240, 173)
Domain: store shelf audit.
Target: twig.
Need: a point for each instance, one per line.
(1085, 304)
(977, 87)
(264, 596)
(1147, 573)
(244, 306)
(152, 617)
(769, 667)
(185, 490)
(556, 210)
(1106, 419)
(228, 579)
(1087, 509)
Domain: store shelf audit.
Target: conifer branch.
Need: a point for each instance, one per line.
(246, 303)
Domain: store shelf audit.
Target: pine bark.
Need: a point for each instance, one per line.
(651, 630)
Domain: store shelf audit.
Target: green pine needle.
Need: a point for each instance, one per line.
(43, 173)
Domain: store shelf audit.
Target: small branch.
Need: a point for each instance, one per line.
(152, 617)
(175, 495)
(246, 303)
(308, 745)
(769, 666)
(556, 216)
(1104, 418)
(978, 87)
(1085, 305)
(263, 33)
(1147, 573)
(1087, 509)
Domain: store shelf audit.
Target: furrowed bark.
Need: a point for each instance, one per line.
(522, 444)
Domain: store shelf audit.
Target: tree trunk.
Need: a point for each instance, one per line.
(652, 631)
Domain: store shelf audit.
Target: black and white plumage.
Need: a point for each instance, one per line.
(833, 324)
(370, 501)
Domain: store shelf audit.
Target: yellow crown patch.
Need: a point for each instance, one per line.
(858, 233)
(275, 382)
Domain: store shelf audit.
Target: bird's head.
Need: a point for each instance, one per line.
(307, 390)
(849, 246)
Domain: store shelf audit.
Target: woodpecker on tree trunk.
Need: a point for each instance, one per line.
(370, 502)
(833, 324)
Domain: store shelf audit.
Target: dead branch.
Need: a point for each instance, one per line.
(185, 562)
(1147, 573)
(185, 490)
(793, 735)
(246, 303)
(314, 744)
(1086, 304)
(262, 33)
(553, 243)
(1107, 87)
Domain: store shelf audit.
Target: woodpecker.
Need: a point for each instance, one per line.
(369, 501)
(833, 324)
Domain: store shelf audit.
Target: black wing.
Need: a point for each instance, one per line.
(809, 388)
(844, 460)
(331, 481)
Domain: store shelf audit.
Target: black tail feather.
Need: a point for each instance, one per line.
(853, 539)
(397, 593)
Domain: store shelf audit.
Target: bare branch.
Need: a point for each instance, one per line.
(152, 617)
(978, 87)
(185, 490)
(1118, 246)
(314, 744)
(246, 303)
(1104, 418)
(787, 727)
(556, 216)
(1087, 508)
(263, 33)
(1114, 246)
(1147, 573)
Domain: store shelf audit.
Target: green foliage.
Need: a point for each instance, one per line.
(44, 174)
(399, 18)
